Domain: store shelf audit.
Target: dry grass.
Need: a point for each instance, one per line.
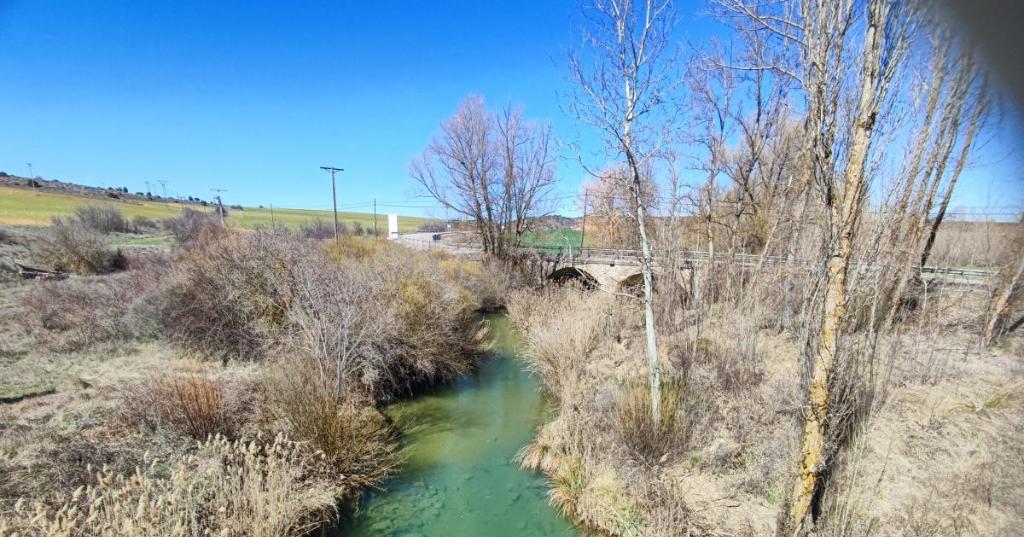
(356, 441)
(653, 442)
(226, 488)
(931, 427)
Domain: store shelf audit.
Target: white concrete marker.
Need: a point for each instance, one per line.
(392, 226)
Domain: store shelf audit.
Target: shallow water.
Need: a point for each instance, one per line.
(459, 477)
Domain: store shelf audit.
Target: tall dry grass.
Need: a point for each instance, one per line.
(225, 488)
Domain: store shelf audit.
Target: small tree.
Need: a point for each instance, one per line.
(624, 76)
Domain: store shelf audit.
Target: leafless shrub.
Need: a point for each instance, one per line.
(191, 225)
(433, 227)
(70, 247)
(319, 229)
(102, 219)
(6, 237)
(563, 328)
(222, 298)
(78, 313)
(141, 224)
(734, 358)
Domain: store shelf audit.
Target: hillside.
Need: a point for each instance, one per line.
(24, 205)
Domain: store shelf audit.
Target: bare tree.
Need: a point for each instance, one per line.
(955, 109)
(623, 76)
(1008, 292)
(494, 169)
(837, 157)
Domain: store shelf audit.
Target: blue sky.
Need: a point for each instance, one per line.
(253, 97)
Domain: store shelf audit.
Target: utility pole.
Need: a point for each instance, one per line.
(163, 185)
(583, 232)
(273, 225)
(30, 176)
(334, 196)
(375, 218)
(220, 204)
(148, 191)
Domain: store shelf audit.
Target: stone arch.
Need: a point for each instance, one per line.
(632, 284)
(575, 275)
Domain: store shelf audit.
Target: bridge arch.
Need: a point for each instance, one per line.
(632, 284)
(574, 275)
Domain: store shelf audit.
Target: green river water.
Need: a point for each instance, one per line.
(459, 477)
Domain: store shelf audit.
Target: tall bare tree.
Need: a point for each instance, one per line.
(495, 169)
(624, 75)
(837, 159)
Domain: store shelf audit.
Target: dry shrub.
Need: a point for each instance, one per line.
(227, 488)
(357, 441)
(68, 246)
(376, 317)
(222, 299)
(563, 327)
(79, 313)
(193, 405)
(191, 225)
(102, 219)
(648, 441)
(141, 224)
(732, 354)
(320, 229)
(348, 248)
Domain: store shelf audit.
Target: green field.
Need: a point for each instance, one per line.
(555, 238)
(24, 207)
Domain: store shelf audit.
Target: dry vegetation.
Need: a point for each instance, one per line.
(935, 426)
(227, 387)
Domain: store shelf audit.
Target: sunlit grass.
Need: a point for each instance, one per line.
(19, 206)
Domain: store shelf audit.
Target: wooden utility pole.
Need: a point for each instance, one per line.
(273, 225)
(334, 196)
(375, 217)
(220, 204)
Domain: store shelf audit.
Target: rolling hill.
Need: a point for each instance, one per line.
(28, 206)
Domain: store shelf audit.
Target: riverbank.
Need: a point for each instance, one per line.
(238, 353)
(934, 454)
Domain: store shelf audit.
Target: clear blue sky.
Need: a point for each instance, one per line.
(253, 97)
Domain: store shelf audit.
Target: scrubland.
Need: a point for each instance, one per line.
(934, 432)
(229, 385)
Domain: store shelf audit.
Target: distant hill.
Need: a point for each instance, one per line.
(34, 202)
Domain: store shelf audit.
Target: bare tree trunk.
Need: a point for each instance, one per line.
(647, 263)
(843, 229)
(1005, 296)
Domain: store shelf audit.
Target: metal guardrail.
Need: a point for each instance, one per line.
(605, 255)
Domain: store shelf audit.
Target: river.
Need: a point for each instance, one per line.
(459, 477)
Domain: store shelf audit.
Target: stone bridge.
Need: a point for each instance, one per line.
(618, 270)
